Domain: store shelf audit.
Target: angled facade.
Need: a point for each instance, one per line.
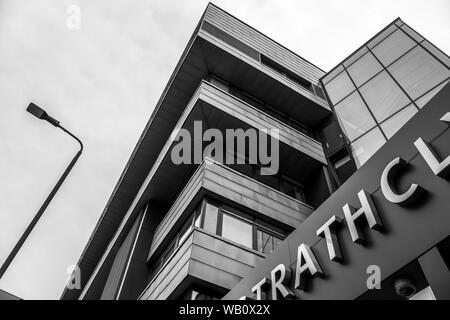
(197, 229)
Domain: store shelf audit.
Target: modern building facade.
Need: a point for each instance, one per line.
(376, 90)
(202, 228)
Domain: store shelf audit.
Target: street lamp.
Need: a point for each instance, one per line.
(41, 114)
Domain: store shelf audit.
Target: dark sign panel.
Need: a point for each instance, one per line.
(390, 212)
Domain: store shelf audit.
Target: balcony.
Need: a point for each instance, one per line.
(232, 187)
(202, 257)
(217, 108)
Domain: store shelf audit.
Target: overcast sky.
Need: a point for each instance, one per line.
(103, 81)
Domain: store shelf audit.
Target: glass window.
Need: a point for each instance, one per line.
(354, 117)
(364, 69)
(332, 74)
(198, 218)
(168, 253)
(393, 47)
(412, 33)
(339, 87)
(210, 222)
(355, 56)
(427, 97)
(417, 72)
(237, 230)
(266, 242)
(185, 230)
(394, 123)
(366, 146)
(437, 53)
(382, 36)
(383, 96)
(399, 22)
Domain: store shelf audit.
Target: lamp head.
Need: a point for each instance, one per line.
(41, 114)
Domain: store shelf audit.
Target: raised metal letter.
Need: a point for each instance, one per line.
(368, 210)
(387, 184)
(306, 262)
(279, 285)
(328, 231)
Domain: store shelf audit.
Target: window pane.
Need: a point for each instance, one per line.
(412, 33)
(393, 47)
(417, 72)
(276, 242)
(363, 69)
(427, 97)
(366, 146)
(332, 74)
(393, 124)
(339, 87)
(210, 223)
(198, 218)
(237, 230)
(355, 56)
(354, 117)
(382, 36)
(168, 253)
(265, 243)
(383, 96)
(185, 230)
(437, 53)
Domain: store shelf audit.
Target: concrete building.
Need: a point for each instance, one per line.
(205, 228)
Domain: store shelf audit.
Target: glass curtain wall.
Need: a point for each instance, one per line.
(380, 87)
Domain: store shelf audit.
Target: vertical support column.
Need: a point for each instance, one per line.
(437, 273)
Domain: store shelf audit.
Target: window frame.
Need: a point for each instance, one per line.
(239, 215)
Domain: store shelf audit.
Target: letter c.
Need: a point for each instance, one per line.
(387, 185)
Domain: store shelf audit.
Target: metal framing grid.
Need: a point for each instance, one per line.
(369, 51)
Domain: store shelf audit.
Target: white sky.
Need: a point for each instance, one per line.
(103, 81)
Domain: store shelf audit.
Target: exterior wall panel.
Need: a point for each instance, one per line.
(207, 257)
(237, 188)
(263, 44)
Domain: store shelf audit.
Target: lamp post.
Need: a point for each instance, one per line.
(41, 114)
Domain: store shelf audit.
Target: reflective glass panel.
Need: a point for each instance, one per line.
(339, 87)
(366, 146)
(185, 230)
(417, 72)
(412, 33)
(237, 230)
(332, 74)
(354, 116)
(427, 97)
(393, 47)
(394, 123)
(437, 53)
(210, 223)
(382, 36)
(355, 56)
(364, 69)
(383, 96)
(267, 242)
